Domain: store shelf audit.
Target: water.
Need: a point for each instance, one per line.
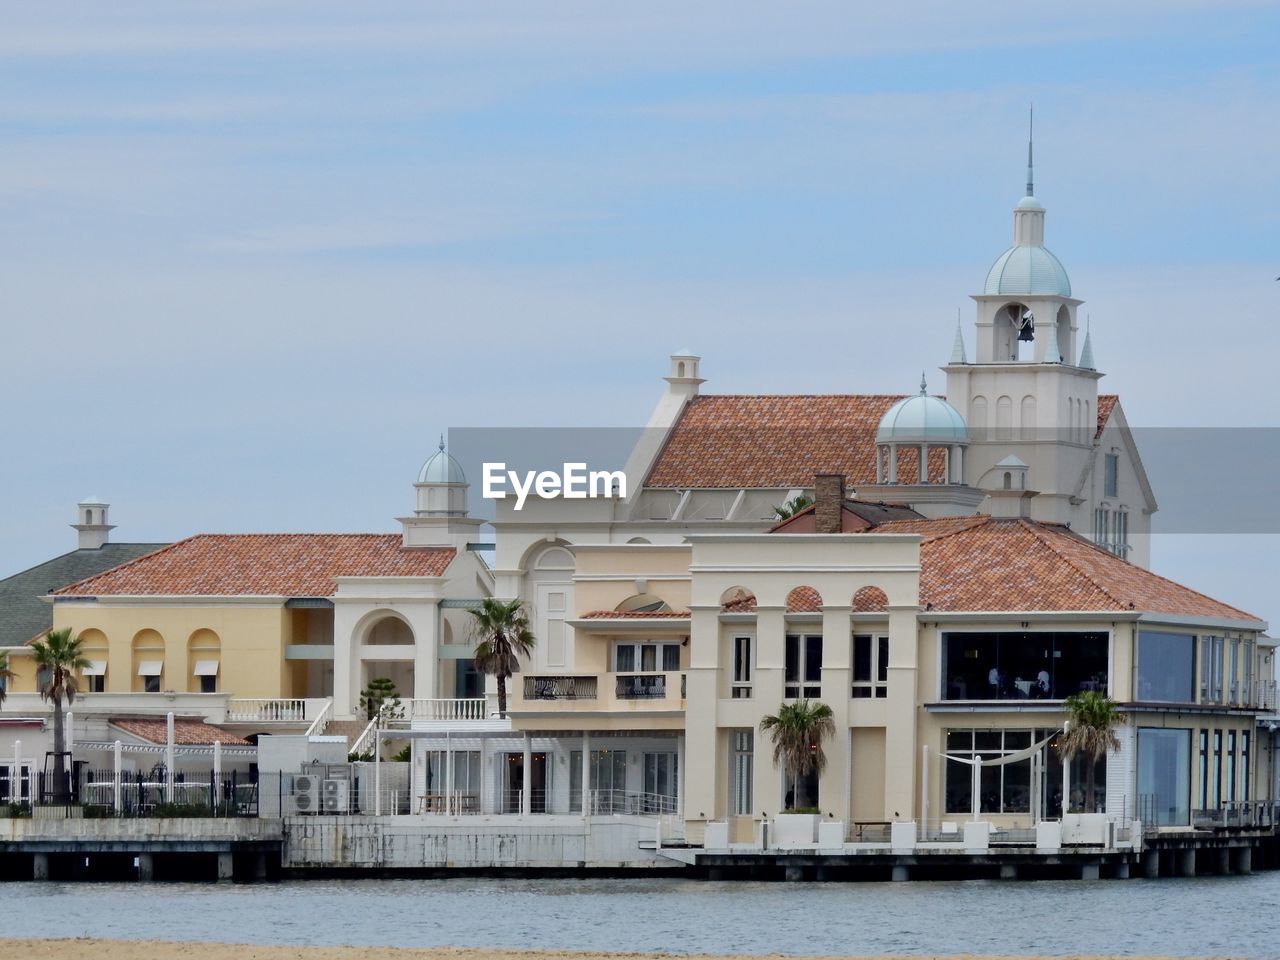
(1218, 916)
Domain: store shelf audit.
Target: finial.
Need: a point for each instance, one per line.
(442, 443)
(957, 347)
(1031, 126)
(924, 387)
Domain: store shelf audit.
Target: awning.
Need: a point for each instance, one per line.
(150, 668)
(206, 668)
(96, 668)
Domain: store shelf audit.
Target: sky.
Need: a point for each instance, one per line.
(255, 257)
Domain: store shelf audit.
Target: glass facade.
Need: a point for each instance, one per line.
(1013, 665)
(1007, 788)
(1166, 667)
(1164, 776)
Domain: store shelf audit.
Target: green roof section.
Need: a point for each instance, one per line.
(24, 616)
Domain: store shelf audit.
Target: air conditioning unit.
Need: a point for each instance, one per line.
(306, 793)
(333, 797)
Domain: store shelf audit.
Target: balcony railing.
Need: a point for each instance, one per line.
(471, 708)
(560, 688)
(276, 709)
(641, 686)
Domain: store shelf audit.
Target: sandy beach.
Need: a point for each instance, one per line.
(94, 949)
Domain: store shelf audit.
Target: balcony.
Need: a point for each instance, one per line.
(548, 694)
(642, 686)
(560, 688)
(276, 710)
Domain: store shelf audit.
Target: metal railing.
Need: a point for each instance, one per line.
(605, 802)
(1238, 814)
(641, 686)
(560, 688)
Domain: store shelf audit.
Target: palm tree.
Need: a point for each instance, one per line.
(5, 675)
(1090, 733)
(785, 511)
(502, 635)
(797, 731)
(58, 657)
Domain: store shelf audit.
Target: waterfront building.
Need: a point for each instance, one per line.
(969, 561)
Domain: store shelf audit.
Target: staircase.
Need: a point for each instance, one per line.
(346, 728)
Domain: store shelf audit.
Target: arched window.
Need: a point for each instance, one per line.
(1008, 480)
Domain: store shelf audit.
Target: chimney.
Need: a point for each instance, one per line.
(92, 525)
(828, 499)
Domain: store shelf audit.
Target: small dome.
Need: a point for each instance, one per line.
(1028, 203)
(1024, 269)
(922, 419)
(441, 468)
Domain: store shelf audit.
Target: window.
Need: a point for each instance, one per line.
(1231, 768)
(151, 684)
(209, 684)
(1211, 649)
(1111, 475)
(1008, 787)
(1204, 769)
(646, 657)
(661, 782)
(608, 779)
(1233, 670)
(1244, 765)
(1215, 793)
(1166, 667)
(1164, 776)
(740, 685)
(1247, 695)
(740, 771)
(1023, 665)
(870, 667)
(803, 676)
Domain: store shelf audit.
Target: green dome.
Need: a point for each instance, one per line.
(1025, 270)
(922, 419)
(441, 468)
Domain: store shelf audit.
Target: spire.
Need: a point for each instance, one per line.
(924, 386)
(957, 348)
(1086, 352)
(442, 443)
(1031, 126)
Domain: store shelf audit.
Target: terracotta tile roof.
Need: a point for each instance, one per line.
(804, 600)
(735, 441)
(978, 563)
(777, 441)
(870, 600)
(190, 733)
(740, 602)
(1106, 403)
(635, 614)
(277, 565)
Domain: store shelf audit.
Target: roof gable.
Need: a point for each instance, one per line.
(24, 616)
(275, 565)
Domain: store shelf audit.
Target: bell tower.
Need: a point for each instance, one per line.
(1028, 392)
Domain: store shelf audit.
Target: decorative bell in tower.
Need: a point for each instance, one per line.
(1027, 328)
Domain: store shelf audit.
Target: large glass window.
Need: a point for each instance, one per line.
(1231, 767)
(1164, 776)
(1244, 765)
(1166, 667)
(740, 770)
(1204, 769)
(608, 779)
(1215, 792)
(1006, 788)
(870, 667)
(1211, 669)
(740, 686)
(1111, 476)
(646, 657)
(803, 666)
(1024, 665)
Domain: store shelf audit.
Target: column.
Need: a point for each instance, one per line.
(702, 735)
(585, 802)
(837, 678)
(146, 867)
(526, 778)
(226, 867)
(426, 653)
(40, 866)
(900, 711)
(771, 631)
(924, 463)
(893, 463)
(680, 775)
